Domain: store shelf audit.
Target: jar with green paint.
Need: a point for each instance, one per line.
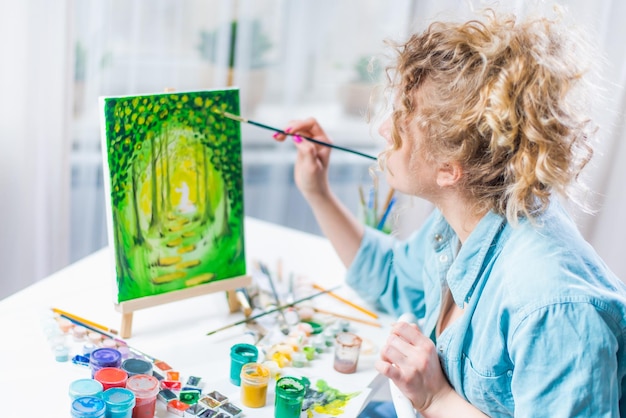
(241, 354)
(289, 397)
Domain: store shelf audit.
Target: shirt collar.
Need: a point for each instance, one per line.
(465, 270)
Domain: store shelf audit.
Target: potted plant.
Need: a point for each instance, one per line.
(357, 94)
(253, 82)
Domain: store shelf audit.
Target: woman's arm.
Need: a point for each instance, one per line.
(337, 223)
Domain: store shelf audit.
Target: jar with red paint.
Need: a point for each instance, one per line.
(146, 389)
(111, 377)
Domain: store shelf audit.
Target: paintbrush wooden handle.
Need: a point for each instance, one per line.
(347, 302)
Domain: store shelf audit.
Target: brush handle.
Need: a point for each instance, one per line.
(252, 318)
(315, 141)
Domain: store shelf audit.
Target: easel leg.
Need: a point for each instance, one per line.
(127, 324)
(233, 303)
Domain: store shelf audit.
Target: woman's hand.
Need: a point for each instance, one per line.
(410, 360)
(311, 167)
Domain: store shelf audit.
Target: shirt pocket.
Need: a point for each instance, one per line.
(488, 387)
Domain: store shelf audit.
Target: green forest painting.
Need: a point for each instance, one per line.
(174, 186)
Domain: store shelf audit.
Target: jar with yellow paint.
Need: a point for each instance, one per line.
(254, 379)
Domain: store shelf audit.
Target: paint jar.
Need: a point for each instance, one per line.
(347, 348)
(119, 402)
(88, 407)
(85, 387)
(241, 354)
(61, 353)
(104, 357)
(146, 388)
(254, 378)
(289, 397)
(111, 377)
(134, 366)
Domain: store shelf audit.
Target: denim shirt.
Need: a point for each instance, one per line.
(543, 328)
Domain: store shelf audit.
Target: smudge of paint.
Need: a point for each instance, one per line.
(324, 399)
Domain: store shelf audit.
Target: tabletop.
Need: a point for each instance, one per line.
(175, 332)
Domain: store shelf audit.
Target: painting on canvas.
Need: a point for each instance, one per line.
(173, 178)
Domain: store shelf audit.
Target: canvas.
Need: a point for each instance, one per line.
(173, 179)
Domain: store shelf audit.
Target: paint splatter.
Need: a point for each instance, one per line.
(326, 400)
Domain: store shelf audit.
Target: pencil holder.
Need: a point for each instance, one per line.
(375, 215)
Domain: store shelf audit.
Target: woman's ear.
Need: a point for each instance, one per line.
(449, 174)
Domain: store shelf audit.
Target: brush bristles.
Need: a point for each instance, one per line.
(229, 115)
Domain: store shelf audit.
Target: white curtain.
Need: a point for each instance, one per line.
(292, 59)
(34, 138)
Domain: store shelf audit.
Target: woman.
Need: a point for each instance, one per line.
(520, 315)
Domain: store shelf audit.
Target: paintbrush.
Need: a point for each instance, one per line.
(316, 141)
(280, 308)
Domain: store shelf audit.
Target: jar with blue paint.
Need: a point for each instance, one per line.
(104, 357)
(88, 407)
(241, 354)
(85, 387)
(134, 366)
(119, 402)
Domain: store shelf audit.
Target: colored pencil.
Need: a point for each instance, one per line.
(252, 318)
(346, 301)
(316, 141)
(349, 318)
(84, 321)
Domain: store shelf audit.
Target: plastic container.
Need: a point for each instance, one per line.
(111, 377)
(119, 402)
(104, 357)
(254, 378)
(134, 366)
(347, 349)
(241, 354)
(146, 388)
(85, 387)
(88, 407)
(289, 397)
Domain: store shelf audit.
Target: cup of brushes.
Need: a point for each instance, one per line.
(374, 213)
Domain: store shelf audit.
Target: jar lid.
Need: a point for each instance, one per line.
(88, 407)
(143, 385)
(85, 387)
(111, 375)
(105, 357)
(118, 399)
(137, 366)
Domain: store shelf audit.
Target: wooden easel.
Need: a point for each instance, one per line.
(127, 308)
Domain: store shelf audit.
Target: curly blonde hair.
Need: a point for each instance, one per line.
(500, 97)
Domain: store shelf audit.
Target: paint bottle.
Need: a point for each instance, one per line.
(85, 387)
(119, 402)
(88, 407)
(289, 397)
(134, 366)
(347, 349)
(254, 378)
(241, 354)
(146, 388)
(104, 357)
(111, 377)
(61, 353)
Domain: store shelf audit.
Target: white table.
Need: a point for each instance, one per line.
(37, 384)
